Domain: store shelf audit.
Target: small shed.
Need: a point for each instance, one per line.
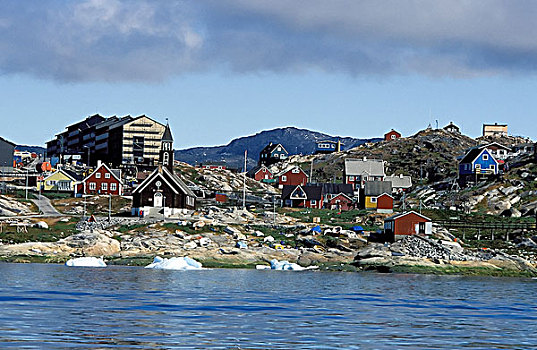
(392, 135)
(385, 203)
(406, 224)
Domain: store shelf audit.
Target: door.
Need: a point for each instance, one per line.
(157, 199)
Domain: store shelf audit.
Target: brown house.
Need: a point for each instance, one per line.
(406, 224)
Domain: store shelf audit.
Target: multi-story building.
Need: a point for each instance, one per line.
(494, 130)
(6, 154)
(113, 140)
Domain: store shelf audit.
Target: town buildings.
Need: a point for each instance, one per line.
(102, 180)
(327, 146)
(478, 163)
(452, 128)
(292, 176)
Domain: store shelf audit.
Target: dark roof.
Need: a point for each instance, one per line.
(176, 182)
(329, 188)
(167, 136)
(471, 155)
(376, 188)
(271, 147)
(6, 141)
(73, 174)
(312, 192)
(254, 170)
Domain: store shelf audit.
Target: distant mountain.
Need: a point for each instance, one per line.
(33, 149)
(295, 141)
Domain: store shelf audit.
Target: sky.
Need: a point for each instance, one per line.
(221, 69)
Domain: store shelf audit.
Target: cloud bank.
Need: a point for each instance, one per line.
(146, 41)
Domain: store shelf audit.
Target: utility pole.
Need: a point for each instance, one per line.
(26, 196)
(244, 182)
(311, 171)
(404, 207)
(109, 208)
(84, 215)
(274, 210)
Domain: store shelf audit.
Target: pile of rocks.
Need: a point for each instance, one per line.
(12, 207)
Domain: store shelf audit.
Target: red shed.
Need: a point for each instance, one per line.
(340, 202)
(102, 181)
(391, 135)
(261, 173)
(409, 223)
(385, 203)
(293, 176)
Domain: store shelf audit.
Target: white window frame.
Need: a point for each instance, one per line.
(373, 199)
(351, 178)
(485, 157)
(313, 202)
(296, 171)
(92, 186)
(107, 175)
(113, 186)
(104, 186)
(97, 175)
(284, 178)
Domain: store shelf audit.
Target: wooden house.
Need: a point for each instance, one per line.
(261, 173)
(301, 196)
(391, 135)
(338, 196)
(400, 183)
(499, 151)
(59, 181)
(292, 176)
(358, 171)
(272, 153)
(452, 128)
(494, 130)
(477, 164)
(327, 146)
(102, 180)
(406, 224)
(341, 202)
(377, 196)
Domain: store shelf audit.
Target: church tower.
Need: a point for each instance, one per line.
(166, 149)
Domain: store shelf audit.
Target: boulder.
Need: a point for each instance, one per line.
(42, 225)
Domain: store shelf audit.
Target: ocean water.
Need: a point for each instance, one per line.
(56, 307)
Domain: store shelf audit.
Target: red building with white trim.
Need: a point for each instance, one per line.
(102, 181)
(293, 176)
(391, 135)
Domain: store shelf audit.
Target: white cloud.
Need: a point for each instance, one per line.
(120, 40)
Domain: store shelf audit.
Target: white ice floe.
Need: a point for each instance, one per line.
(183, 263)
(88, 261)
(275, 264)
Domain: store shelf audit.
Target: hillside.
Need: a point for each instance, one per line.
(34, 149)
(296, 141)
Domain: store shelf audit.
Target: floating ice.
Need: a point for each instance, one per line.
(88, 261)
(183, 263)
(286, 265)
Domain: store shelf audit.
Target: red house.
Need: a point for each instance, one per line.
(385, 203)
(261, 173)
(293, 176)
(340, 202)
(391, 135)
(409, 223)
(102, 181)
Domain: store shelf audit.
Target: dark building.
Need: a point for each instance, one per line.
(163, 192)
(6, 154)
(116, 141)
(272, 153)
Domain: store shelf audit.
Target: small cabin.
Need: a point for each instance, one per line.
(392, 135)
(407, 224)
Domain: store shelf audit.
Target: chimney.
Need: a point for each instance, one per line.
(99, 162)
(365, 158)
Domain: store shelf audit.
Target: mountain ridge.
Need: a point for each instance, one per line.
(295, 140)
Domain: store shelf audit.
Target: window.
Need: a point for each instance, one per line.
(166, 158)
(98, 175)
(373, 200)
(113, 186)
(190, 201)
(138, 146)
(492, 167)
(296, 171)
(104, 186)
(421, 227)
(485, 157)
(279, 149)
(393, 137)
(92, 186)
(107, 175)
(313, 202)
(351, 178)
(284, 178)
(276, 155)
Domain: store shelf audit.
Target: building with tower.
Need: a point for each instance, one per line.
(163, 193)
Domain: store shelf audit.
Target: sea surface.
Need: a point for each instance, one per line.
(57, 307)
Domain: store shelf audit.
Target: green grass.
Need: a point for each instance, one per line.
(55, 232)
(57, 195)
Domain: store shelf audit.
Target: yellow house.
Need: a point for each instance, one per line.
(371, 202)
(58, 181)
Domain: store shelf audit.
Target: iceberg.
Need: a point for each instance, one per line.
(182, 263)
(285, 265)
(88, 261)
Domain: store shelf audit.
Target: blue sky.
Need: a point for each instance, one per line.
(228, 68)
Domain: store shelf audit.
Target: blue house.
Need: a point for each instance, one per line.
(477, 164)
(328, 146)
